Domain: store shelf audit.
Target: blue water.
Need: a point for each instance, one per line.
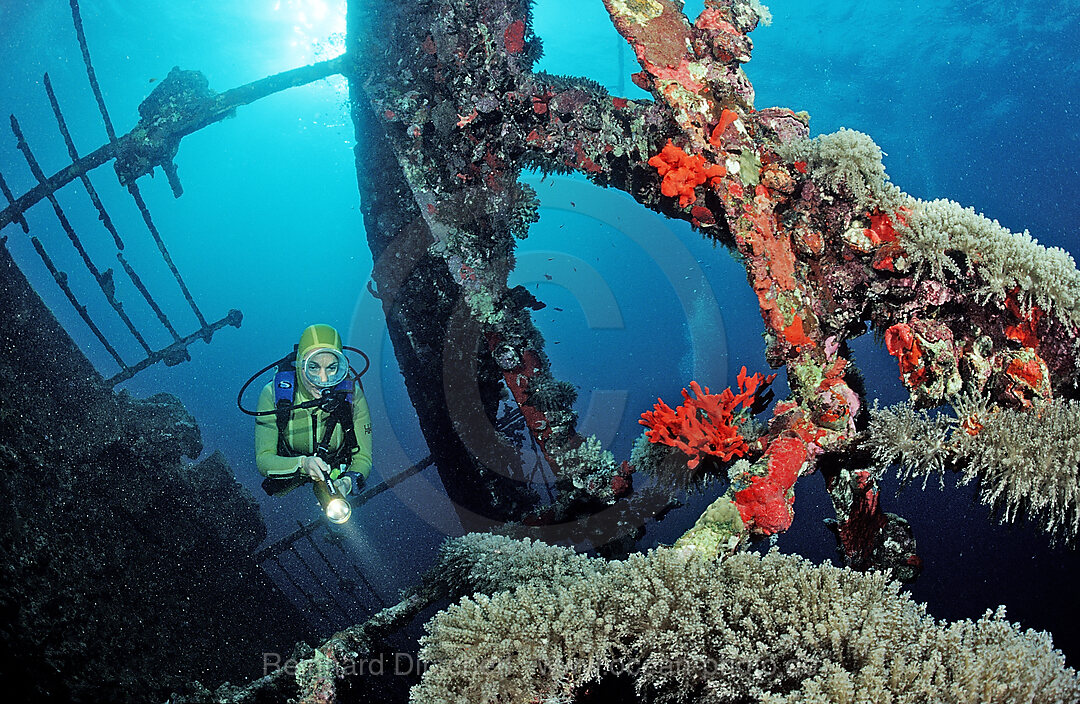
(971, 101)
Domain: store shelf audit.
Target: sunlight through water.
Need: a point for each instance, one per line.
(317, 32)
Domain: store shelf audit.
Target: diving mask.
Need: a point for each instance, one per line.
(325, 367)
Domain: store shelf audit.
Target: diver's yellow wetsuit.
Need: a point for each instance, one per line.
(299, 438)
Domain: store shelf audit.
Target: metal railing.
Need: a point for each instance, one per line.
(331, 588)
(79, 169)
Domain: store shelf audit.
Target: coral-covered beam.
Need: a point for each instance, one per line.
(748, 190)
(828, 245)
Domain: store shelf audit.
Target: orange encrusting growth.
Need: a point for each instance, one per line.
(683, 173)
(766, 505)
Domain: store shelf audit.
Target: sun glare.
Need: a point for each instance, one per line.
(317, 28)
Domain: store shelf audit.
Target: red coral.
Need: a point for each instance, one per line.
(711, 18)
(901, 343)
(1030, 372)
(1026, 332)
(766, 505)
(881, 227)
(726, 118)
(887, 256)
(795, 333)
(1027, 377)
(683, 173)
(705, 425)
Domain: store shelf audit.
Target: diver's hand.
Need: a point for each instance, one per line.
(314, 468)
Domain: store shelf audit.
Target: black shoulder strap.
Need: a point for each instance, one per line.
(285, 395)
(284, 415)
(341, 415)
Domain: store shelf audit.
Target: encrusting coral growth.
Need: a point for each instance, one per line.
(669, 626)
(1027, 462)
(589, 472)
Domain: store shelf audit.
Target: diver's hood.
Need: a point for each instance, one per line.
(319, 339)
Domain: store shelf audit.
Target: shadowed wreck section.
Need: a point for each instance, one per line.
(128, 573)
(442, 229)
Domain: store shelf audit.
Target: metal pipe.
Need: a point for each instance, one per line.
(177, 351)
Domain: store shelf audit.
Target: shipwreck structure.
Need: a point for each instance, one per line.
(448, 113)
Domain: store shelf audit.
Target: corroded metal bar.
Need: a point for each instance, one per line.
(309, 598)
(16, 213)
(344, 583)
(282, 544)
(104, 280)
(62, 281)
(74, 154)
(137, 281)
(327, 593)
(133, 189)
(76, 16)
(250, 92)
(177, 352)
(336, 540)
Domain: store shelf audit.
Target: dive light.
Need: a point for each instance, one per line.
(333, 502)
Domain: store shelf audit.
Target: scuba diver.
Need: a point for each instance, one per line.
(312, 424)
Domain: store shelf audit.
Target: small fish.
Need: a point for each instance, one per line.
(152, 80)
(547, 276)
(559, 309)
(573, 204)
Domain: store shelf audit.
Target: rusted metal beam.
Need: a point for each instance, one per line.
(221, 106)
(61, 279)
(177, 352)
